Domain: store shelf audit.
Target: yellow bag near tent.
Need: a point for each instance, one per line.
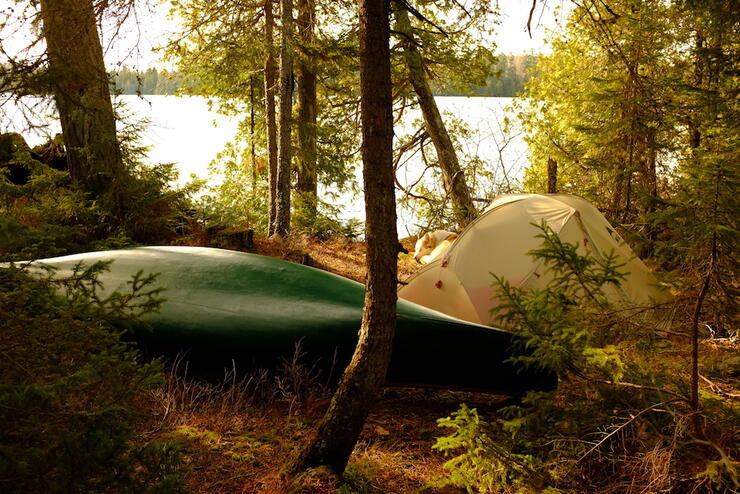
(460, 282)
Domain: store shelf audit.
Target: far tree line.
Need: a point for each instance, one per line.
(507, 78)
(127, 80)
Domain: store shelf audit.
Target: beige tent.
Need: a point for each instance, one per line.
(459, 282)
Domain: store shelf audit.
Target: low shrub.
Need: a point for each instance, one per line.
(621, 419)
(69, 384)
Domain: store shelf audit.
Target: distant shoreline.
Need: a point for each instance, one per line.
(506, 80)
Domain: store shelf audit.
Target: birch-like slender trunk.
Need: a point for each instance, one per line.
(270, 123)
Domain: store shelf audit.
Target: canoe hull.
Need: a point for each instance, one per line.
(227, 308)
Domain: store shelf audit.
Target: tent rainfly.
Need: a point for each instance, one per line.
(459, 283)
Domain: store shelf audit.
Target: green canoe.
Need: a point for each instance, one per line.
(224, 305)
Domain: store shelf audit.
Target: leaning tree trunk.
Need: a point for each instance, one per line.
(364, 378)
(306, 185)
(453, 176)
(270, 124)
(282, 213)
(82, 96)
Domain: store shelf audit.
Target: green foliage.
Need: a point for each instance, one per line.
(326, 223)
(485, 464)
(222, 47)
(560, 319)
(70, 384)
(49, 216)
(239, 201)
(358, 479)
(455, 44)
(637, 104)
(619, 415)
(698, 223)
(602, 105)
(507, 78)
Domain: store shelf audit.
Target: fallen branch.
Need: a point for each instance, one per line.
(621, 427)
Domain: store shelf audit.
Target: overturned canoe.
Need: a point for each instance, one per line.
(224, 305)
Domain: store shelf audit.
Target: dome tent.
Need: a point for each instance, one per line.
(460, 282)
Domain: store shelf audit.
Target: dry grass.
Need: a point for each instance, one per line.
(237, 433)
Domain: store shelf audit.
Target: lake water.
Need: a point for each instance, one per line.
(186, 131)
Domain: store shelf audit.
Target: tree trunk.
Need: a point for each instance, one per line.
(364, 378)
(270, 124)
(650, 194)
(306, 184)
(252, 149)
(282, 212)
(453, 176)
(82, 96)
(552, 176)
(694, 132)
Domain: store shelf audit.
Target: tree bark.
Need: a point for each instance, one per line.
(252, 149)
(552, 176)
(453, 176)
(694, 132)
(363, 380)
(82, 96)
(306, 185)
(270, 124)
(282, 212)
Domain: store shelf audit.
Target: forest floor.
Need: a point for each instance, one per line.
(235, 436)
(339, 255)
(241, 445)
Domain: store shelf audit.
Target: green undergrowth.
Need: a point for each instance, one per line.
(621, 419)
(44, 214)
(70, 388)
